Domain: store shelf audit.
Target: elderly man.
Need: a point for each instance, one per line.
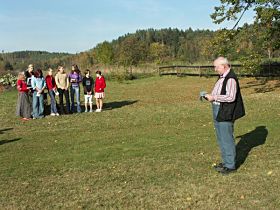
(227, 107)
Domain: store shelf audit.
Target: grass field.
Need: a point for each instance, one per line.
(152, 148)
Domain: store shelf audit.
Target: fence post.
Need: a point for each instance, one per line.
(177, 73)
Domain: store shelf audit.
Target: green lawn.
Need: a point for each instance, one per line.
(152, 148)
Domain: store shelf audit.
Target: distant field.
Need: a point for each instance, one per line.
(152, 148)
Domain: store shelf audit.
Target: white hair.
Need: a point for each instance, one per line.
(222, 61)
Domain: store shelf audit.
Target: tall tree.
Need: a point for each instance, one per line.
(131, 52)
(158, 52)
(267, 19)
(104, 53)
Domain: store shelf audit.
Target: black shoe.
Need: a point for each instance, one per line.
(218, 167)
(226, 171)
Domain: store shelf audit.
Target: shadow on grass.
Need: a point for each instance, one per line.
(5, 129)
(9, 141)
(107, 106)
(263, 85)
(118, 104)
(248, 141)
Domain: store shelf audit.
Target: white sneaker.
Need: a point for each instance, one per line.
(53, 114)
(57, 114)
(98, 110)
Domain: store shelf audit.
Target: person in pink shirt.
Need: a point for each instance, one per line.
(99, 87)
(52, 89)
(227, 106)
(23, 104)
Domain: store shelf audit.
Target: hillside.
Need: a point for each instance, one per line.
(21, 59)
(158, 47)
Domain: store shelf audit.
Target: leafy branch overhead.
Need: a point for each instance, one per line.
(263, 34)
(267, 11)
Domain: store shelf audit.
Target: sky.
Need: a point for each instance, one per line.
(77, 25)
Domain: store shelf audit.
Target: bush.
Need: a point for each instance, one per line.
(8, 80)
(252, 64)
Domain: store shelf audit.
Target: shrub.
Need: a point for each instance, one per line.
(8, 80)
(252, 64)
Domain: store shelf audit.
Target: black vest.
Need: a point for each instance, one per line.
(234, 110)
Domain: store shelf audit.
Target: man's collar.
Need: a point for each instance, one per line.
(225, 74)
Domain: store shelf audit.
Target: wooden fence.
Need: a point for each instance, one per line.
(272, 70)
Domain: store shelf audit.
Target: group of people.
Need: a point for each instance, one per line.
(226, 100)
(32, 84)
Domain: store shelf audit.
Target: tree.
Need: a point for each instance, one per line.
(85, 60)
(221, 44)
(267, 19)
(104, 53)
(158, 52)
(131, 51)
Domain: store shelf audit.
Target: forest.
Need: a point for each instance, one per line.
(160, 47)
(250, 45)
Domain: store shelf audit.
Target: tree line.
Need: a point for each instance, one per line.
(21, 59)
(250, 45)
(164, 46)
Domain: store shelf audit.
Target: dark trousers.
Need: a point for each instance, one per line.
(66, 95)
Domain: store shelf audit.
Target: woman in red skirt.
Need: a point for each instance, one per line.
(23, 105)
(99, 87)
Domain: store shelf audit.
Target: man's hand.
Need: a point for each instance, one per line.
(209, 97)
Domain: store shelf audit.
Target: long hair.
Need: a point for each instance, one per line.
(59, 67)
(38, 73)
(29, 67)
(76, 69)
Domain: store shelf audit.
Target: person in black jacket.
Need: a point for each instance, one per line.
(88, 84)
(227, 106)
(28, 75)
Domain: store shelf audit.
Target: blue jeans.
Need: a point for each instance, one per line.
(225, 139)
(53, 102)
(75, 91)
(38, 105)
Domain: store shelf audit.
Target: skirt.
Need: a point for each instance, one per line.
(23, 105)
(99, 95)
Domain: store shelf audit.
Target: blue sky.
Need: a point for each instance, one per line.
(78, 25)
